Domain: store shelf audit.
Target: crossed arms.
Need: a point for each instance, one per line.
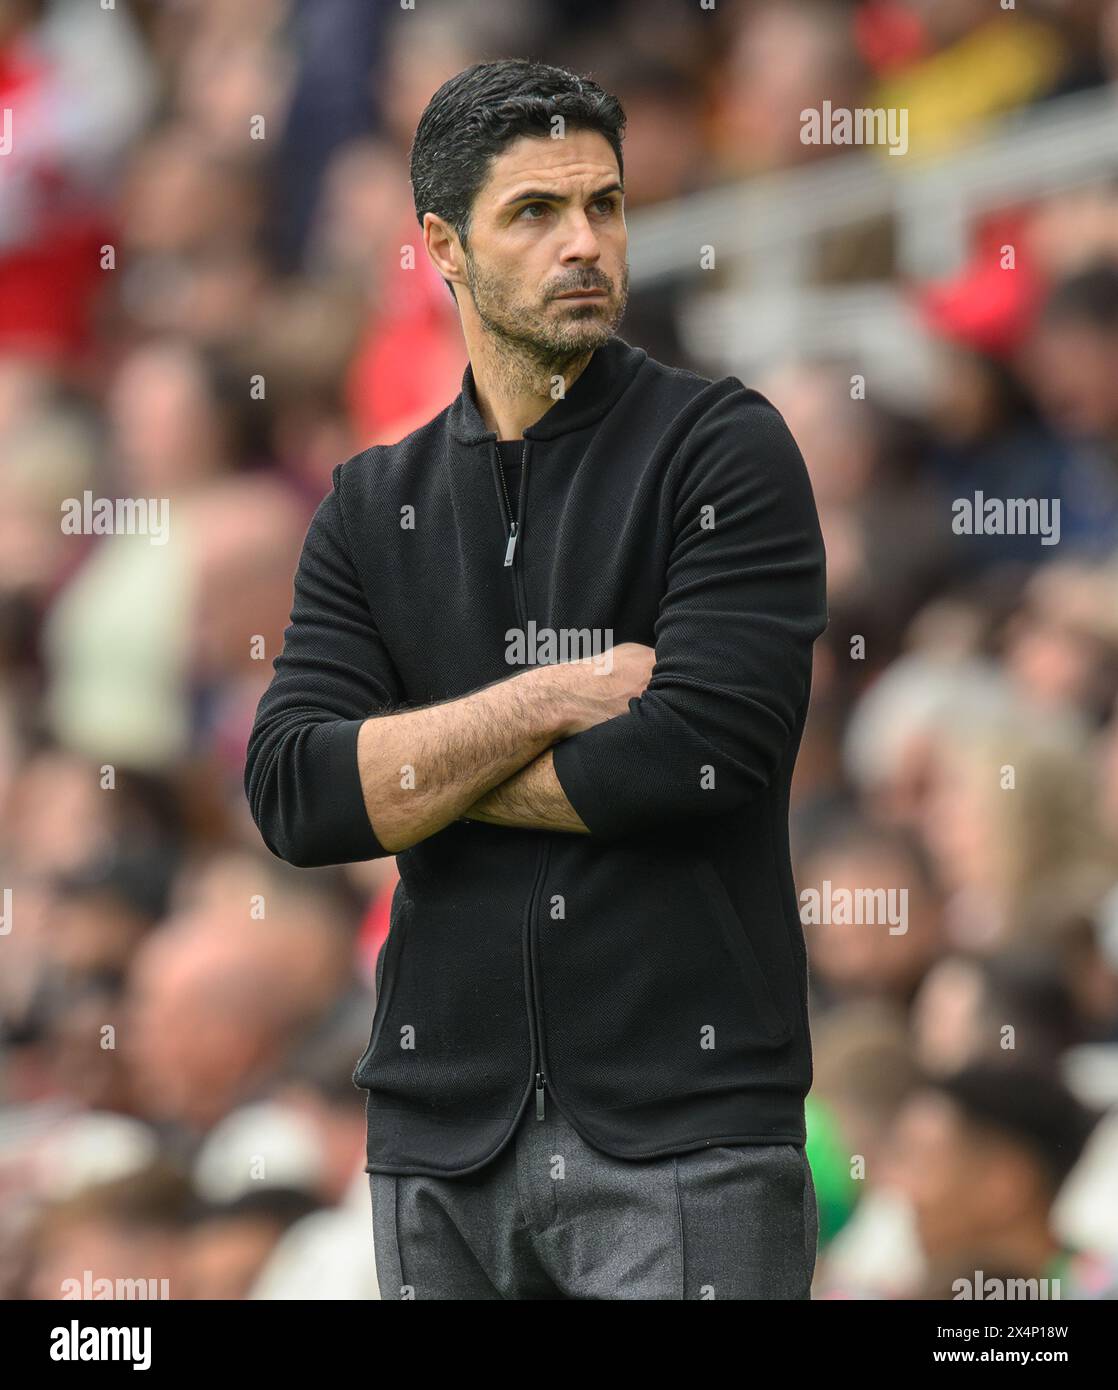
(696, 728)
(487, 756)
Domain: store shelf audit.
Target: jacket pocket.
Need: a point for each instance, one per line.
(391, 948)
(771, 1025)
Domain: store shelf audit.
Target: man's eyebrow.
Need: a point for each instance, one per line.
(544, 196)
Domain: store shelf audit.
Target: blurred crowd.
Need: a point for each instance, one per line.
(203, 298)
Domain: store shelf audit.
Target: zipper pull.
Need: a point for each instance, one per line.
(539, 1095)
(510, 549)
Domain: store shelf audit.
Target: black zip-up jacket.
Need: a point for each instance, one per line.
(648, 978)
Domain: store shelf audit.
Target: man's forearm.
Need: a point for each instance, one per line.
(421, 769)
(531, 798)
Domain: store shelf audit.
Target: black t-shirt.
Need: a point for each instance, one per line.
(511, 454)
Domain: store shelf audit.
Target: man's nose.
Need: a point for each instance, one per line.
(582, 241)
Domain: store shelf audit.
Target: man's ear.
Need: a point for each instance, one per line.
(443, 247)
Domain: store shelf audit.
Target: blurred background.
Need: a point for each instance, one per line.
(198, 197)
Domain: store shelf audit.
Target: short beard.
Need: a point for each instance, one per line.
(529, 346)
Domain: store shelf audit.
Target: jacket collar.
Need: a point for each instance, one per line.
(603, 379)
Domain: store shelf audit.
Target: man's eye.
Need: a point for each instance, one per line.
(606, 204)
(541, 207)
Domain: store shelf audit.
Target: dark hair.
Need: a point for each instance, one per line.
(1089, 297)
(1026, 1105)
(483, 108)
(844, 829)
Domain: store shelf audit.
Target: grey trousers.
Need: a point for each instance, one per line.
(551, 1217)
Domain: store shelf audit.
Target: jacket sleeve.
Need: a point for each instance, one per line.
(301, 775)
(744, 603)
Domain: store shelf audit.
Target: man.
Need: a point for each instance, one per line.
(590, 1050)
(980, 1157)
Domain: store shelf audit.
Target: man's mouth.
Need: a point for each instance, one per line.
(582, 294)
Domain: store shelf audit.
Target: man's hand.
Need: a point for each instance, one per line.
(424, 768)
(533, 798)
(595, 694)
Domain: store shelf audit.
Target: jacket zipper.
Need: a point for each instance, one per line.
(513, 521)
(534, 1005)
(515, 524)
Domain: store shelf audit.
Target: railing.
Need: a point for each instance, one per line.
(766, 232)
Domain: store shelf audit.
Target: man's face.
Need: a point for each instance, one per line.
(959, 1189)
(549, 221)
(1074, 368)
